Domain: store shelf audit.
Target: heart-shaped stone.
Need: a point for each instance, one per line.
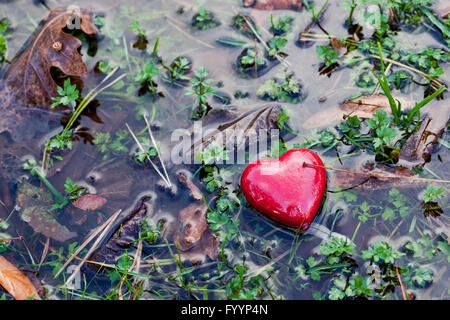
(285, 189)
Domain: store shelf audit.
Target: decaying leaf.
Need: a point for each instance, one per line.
(15, 282)
(364, 107)
(274, 4)
(382, 177)
(35, 204)
(417, 150)
(123, 236)
(28, 82)
(238, 129)
(89, 202)
(193, 237)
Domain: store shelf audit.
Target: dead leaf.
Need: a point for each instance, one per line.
(89, 202)
(364, 107)
(15, 282)
(378, 176)
(233, 130)
(274, 4)
(196, 193)
(28, 82)
(35, 204)
(194, 238)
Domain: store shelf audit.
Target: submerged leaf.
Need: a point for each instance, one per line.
(238, 130)
(194, 237)
(123, 236)
(363, 107)
(89, 202)
(36, 210)
(15, 282)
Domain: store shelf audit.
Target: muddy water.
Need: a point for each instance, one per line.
(123, 182)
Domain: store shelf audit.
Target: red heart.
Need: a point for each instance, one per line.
(285, 189)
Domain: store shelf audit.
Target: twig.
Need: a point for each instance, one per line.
(85, 243)
(401, 284)
(147, 156)
(375, 176)
(410, 69)
(157, 150)
(283, 61)
(187, 34)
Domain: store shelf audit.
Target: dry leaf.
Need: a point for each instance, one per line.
(125, 233)
(28, 82)
(383, 177)
(417, 150)
(363, 107)
(274, 4)
(89, 202)
(15, 282)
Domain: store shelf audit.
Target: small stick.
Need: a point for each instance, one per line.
(85, 243)
(187, 34)
(375, 176)
(148, 158)
(411, 69)
(157, 150)
(401, 284)
(283, 61)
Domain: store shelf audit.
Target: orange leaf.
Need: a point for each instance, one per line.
(15, 282)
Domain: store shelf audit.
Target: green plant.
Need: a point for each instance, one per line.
(285, 89)
(179, 67)
(146, 74)
(74, 191)
(109, 147)
(202, 90)
(60, 142)
(327, 54)
(250, 59)
(276, 44)
(396, 109)
(204, 20)
(68, 95)
(381, 252)
(282, 25)
(60, 200)
(135, 26)
(4, 26)
(432, 193)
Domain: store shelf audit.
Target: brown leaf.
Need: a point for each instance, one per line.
(15, 282)
(193, 236)
(193, 225)
(274, 4)
(125, 233)
(378, 176)
(364, 107)
(196, 193)
(89, 202)
(28, 82)
(417, 150)
(232, 129)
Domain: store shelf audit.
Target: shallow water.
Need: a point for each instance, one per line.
(265, 245)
